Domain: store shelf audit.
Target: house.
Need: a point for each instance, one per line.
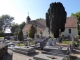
(70, 26)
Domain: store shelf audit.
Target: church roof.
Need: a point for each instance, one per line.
(71, 22)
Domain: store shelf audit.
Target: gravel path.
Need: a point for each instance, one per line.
(17, 56)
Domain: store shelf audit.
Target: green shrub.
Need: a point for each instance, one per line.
(76, 44)
(77, 36)
(20, 36)
(1, 34)
(31, 32)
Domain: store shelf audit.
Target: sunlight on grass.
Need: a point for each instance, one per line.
(65, 42)
(1, 37)
(31, 43)
(20, 44)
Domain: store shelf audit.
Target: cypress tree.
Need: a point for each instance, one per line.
(56, 18)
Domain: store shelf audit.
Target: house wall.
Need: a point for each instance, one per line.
(46, 33)
(24, 32)
(38, 32)
(74, 32)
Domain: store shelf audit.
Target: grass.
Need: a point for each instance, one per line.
(1, 37)
(65, 42)
(21, 44)
(31, 43)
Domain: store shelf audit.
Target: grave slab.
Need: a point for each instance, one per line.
(48, 57)
(24, 49)
(56, 49)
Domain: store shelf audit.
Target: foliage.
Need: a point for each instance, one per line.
(32, 31)
(76, 44)
(77, 36)
(77, 14)
(56, 18)
(1, 34)
(5, 21)
(22, 25)
(40, 19)
(15, 28)
(20, 36)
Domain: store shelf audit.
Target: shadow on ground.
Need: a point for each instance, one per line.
(33, 54)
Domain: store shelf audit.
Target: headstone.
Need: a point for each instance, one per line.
(72, 44)
(48, 57)
(3, 50)
(54, 41)
(50, 42)
(27, 43)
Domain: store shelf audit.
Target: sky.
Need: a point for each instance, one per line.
(37, 8)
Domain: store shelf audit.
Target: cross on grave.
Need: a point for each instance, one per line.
(72, 45)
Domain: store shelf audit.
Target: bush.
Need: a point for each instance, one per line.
(20, 36)
(77, 36)
(76, 44)
(1, 34)
(32, 31)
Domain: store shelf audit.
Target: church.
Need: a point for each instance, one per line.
(70, 26)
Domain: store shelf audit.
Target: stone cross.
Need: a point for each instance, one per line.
(72, 44)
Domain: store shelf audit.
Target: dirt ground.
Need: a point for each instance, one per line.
(17, 56)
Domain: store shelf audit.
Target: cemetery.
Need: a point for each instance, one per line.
(40, 47)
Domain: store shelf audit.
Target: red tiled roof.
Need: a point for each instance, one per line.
(40, 25)
(71, 22)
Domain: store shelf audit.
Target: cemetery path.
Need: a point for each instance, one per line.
(76, 53)
(17, 56)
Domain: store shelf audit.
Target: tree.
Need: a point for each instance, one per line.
(20, 35)
(15, 28)
(40, 19)
(5, 21)
(32, 31)
(22, 25)
(56, 18)
(77, 14)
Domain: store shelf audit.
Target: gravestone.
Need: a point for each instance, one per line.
(50, 42)
(72, 45)
(3, 50)
(48, 57)
(54, 41)
(24, 49)
(27, 43)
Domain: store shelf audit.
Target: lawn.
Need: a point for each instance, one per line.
(65, 42)
(32, 43)
(21, 44)
(1, 37)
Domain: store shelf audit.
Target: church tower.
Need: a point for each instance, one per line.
(28, 19)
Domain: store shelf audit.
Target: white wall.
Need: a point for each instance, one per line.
(46, 33)
(74, 32)
(24, 33)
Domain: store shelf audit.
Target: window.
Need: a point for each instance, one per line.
(69, 30)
